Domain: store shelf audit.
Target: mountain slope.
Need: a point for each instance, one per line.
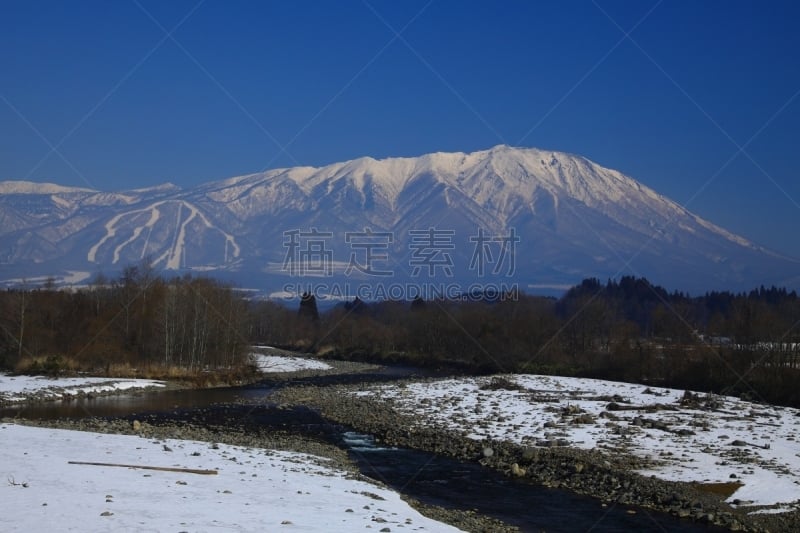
(572, 217)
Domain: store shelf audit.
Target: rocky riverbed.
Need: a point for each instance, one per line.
(270, 440)
(20, 390)
(605, 474)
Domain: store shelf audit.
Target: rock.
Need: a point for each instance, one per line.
(604, 473)
(137, 426)
(530, 454)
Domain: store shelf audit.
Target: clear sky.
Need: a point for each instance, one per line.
(699, 100)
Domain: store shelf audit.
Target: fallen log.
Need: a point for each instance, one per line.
(145, 467)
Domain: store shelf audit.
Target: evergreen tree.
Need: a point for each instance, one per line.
(308, 307)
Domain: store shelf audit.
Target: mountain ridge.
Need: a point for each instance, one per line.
(574, 218)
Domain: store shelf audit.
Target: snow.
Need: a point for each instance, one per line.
(76, 276)
(253, 489)
(707, 439)
(499, 180)
(719, 439)
(175, 252)
(20, 388)
(551, 197)
(286, 363)
(519, 171)
(164, 187)
(30, 187)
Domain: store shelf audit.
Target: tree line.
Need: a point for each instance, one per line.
(628, 330)
(139, 321)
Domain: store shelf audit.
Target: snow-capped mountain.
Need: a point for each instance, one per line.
(534, 217)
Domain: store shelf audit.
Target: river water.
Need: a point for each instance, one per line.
(432, 479)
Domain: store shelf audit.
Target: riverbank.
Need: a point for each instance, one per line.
(323, 461)
(77, 480)
(276, 363)
(267, 364)
(29, 390)
(612, 441)
(611, 473)
(22, 389)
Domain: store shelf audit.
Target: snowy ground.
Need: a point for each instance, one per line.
(20, 388)
(699, 438)
(252, 490)
(285, 363)
(711, 439)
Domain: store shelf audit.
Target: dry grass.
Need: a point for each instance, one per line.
(120, 370)
(326, 350)
(126, 370)
(49, 365)
(196, 377)
(55, 365)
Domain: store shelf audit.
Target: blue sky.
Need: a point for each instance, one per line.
(698, 100)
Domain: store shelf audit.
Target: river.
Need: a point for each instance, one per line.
(427, 477)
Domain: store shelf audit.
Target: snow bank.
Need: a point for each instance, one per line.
(253, 490)
(20, 388)
(694, 438)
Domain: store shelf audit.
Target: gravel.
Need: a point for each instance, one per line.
(595, 473)
(599, 474)
(465, 520)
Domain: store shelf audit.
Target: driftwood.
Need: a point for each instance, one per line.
(145, 467)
